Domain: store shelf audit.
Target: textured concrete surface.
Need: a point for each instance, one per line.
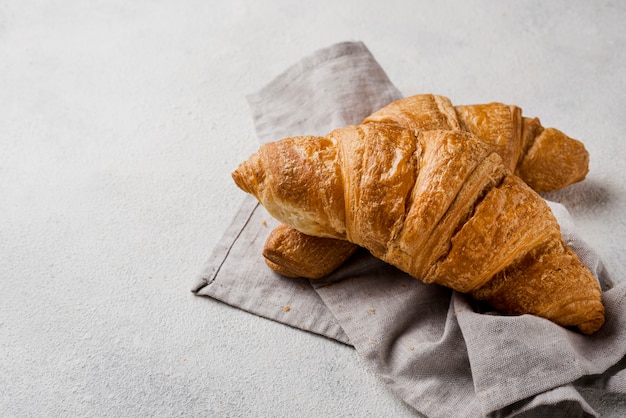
(120, 123)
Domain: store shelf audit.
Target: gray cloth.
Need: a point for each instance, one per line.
(437, 349)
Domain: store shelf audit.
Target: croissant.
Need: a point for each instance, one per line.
(439, 205)
(546, 159)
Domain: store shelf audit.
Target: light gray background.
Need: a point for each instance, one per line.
(120, 123)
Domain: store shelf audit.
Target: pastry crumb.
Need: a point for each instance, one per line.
(371, 310)
(287, 308)
(411, 348)
(263, 222)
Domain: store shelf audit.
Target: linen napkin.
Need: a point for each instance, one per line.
(438, 350)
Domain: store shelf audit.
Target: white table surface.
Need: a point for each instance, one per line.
(120, 122)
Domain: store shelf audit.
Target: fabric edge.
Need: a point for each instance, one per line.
(228, 239)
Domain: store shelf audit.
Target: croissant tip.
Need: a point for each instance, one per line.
(246, 176)
(238, 178)
(591, 326)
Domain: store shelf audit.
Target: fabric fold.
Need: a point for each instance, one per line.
(301, 102)
(236, 274)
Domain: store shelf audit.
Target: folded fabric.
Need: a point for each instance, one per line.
(343, 83)
(438, 350)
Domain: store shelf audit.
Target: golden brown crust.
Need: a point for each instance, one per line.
(422, 112)
(299, 169)
(497, 125)
(294, 254)
(531, 129)
(546, 159)
(510, 220)
(551, 281)
(378, 164)
(441, 176)
(553, 161)
(439, 205)
(488, 174)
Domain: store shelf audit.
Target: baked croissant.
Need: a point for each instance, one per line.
(546, 159)
(439, 205)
